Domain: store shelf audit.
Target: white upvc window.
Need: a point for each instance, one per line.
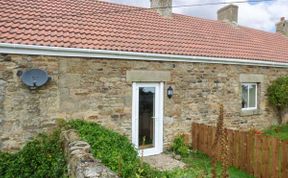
(249, 96)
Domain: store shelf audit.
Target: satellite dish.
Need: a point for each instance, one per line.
(34, 78)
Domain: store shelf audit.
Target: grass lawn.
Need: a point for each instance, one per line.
(201, 164)
(279, 131)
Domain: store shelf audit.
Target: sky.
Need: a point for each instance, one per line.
(260, 15)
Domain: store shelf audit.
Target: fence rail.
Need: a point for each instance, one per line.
(260, 155)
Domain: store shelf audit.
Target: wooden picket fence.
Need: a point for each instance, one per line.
(260, 155)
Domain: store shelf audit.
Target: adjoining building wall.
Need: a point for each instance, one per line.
(99, 90)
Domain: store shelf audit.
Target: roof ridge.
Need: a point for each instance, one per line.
(251, 28)
(189, 16)
(114, 3)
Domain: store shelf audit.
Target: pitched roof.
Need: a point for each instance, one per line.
(91, 24)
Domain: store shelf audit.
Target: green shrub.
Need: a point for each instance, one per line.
(42, 157)
(5, 159)
(278, 96)
(179, 147)
(280, 132)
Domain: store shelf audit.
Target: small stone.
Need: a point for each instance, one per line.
(77, 153)
(7, 58)
(115, 116)
(73, 136)
(88, 158)
(93, 117)
(100, 107)
(177, 157)
(92, 172)
(11, 145)
(86, 148)
(78, 143)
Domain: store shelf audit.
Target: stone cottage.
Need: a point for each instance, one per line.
(144, 72)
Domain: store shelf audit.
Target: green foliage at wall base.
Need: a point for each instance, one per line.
(42, 157)
(279, 131)
(179, 147)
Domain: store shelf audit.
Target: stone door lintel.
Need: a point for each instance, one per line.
(147, 76)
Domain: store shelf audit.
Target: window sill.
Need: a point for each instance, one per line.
(250, 112)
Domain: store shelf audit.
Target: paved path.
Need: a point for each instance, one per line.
(163, 162)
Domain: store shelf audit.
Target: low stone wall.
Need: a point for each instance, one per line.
(81, 163)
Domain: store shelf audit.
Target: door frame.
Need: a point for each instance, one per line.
(159, 93)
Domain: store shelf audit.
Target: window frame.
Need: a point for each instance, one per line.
(256, 96)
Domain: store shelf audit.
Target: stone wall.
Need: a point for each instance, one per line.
(2, 96)
(98, 90)
(26, 113)
(80, 161)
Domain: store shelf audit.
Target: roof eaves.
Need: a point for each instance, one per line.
(20, 49)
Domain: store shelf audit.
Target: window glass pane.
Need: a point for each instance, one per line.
(252, 96)
(244, 96)
(146, 117)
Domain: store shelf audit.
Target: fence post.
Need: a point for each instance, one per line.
(275, 158)
(284, 169)
(258, 156)
(193, 135)
(266, 153)
(250, 151)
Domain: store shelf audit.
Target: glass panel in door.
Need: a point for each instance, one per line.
(146, 117)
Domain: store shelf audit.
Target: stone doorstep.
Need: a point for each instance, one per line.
(163, 162)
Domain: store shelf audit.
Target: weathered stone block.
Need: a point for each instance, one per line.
(70, 81)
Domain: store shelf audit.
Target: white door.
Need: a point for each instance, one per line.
(147, 118)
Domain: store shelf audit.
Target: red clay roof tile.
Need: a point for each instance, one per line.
(100, 25)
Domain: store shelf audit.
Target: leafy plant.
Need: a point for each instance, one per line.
(280, 132)
(179, 146)
(278, 96)
(42, 157)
